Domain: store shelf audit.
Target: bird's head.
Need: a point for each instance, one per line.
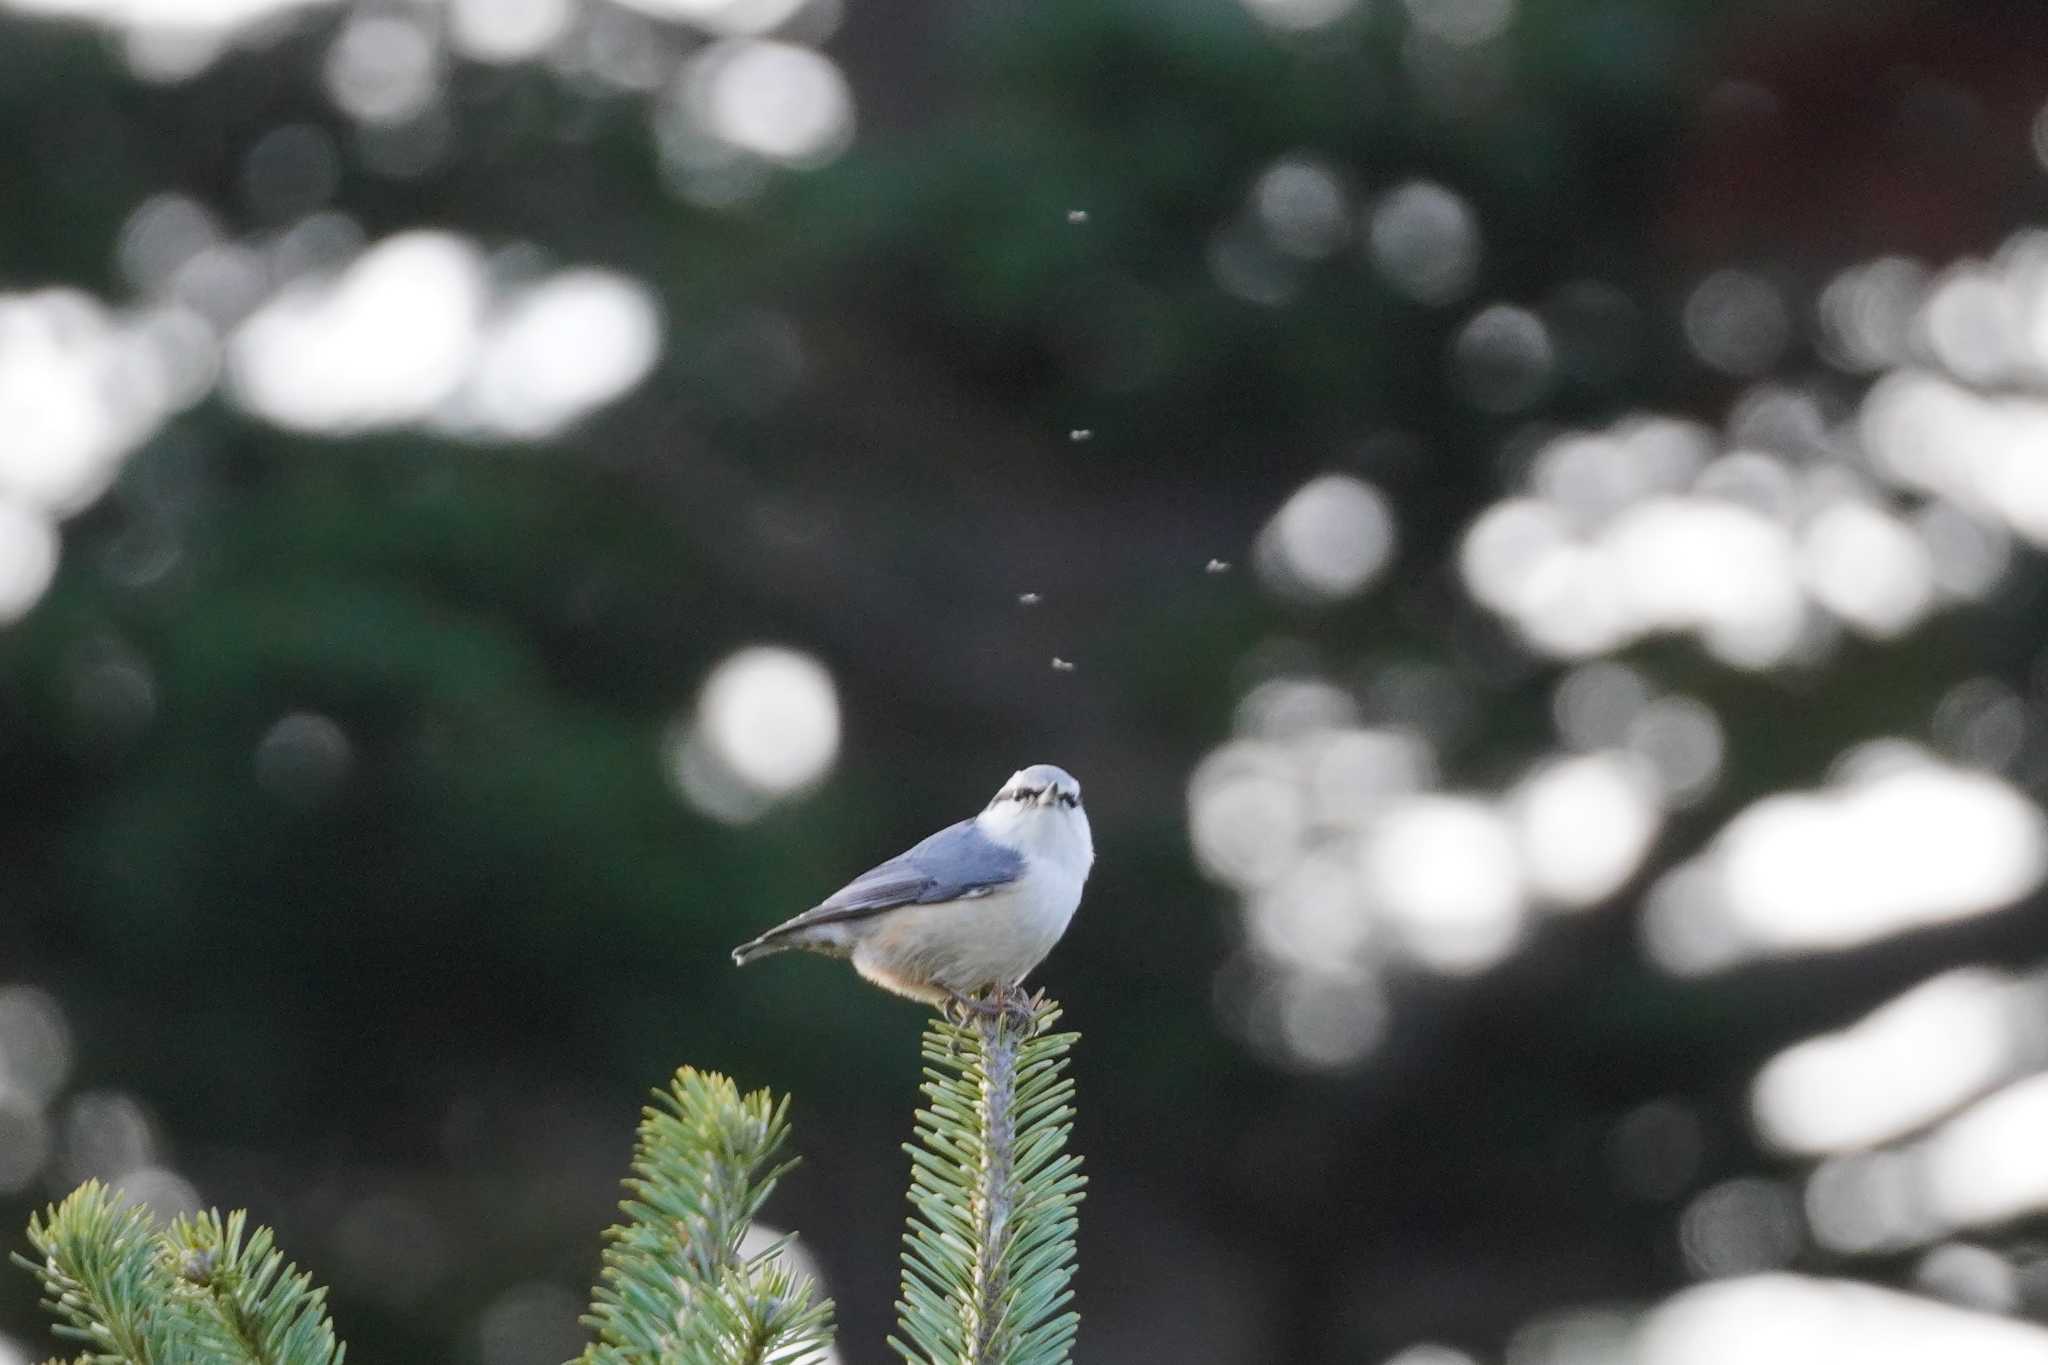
(1040, 786)
(1039, 810)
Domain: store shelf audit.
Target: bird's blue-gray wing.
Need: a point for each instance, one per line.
(957, 862)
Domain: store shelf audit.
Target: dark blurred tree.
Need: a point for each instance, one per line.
(493, 893)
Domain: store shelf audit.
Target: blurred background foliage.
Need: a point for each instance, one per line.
(378, 825)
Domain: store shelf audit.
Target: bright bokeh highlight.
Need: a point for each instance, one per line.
(1800, 1320)
(1903, 1065)
(765, 728)
(1330, 540)
(415, 331)
(1909, 843)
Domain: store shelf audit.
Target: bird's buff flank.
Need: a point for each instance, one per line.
(969, 911)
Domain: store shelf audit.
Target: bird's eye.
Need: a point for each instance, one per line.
(1070, 799)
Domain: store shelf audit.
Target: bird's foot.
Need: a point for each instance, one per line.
(1006, 1003)
(1014, 1007)
(960, 1010)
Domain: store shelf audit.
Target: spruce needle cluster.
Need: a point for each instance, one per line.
(987, 1260)
(994, 1196)
(204, 1289)
(675, 1287)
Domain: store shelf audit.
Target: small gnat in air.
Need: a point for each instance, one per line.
(1080, 434)
(1077, 216)
(1028, 599)
(1217, 566)
(1060, 665)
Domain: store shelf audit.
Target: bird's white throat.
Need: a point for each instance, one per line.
(1057, 834)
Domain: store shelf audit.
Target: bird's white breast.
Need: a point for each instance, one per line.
(925, 951)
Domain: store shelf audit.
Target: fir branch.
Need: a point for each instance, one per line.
(269, 1311)
(201, 1292)
(108, 1283)
(989, 1250)
(675, 1289)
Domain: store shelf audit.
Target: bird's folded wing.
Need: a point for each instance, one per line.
(956, 863)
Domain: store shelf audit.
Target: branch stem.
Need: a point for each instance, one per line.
(997, 1198)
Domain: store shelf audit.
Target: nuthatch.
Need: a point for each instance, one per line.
(972, 909)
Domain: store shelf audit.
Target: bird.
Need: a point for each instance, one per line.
(961, 918)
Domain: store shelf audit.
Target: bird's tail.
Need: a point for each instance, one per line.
(774, 941)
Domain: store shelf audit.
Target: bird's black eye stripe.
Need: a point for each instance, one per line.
(1068, 799)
